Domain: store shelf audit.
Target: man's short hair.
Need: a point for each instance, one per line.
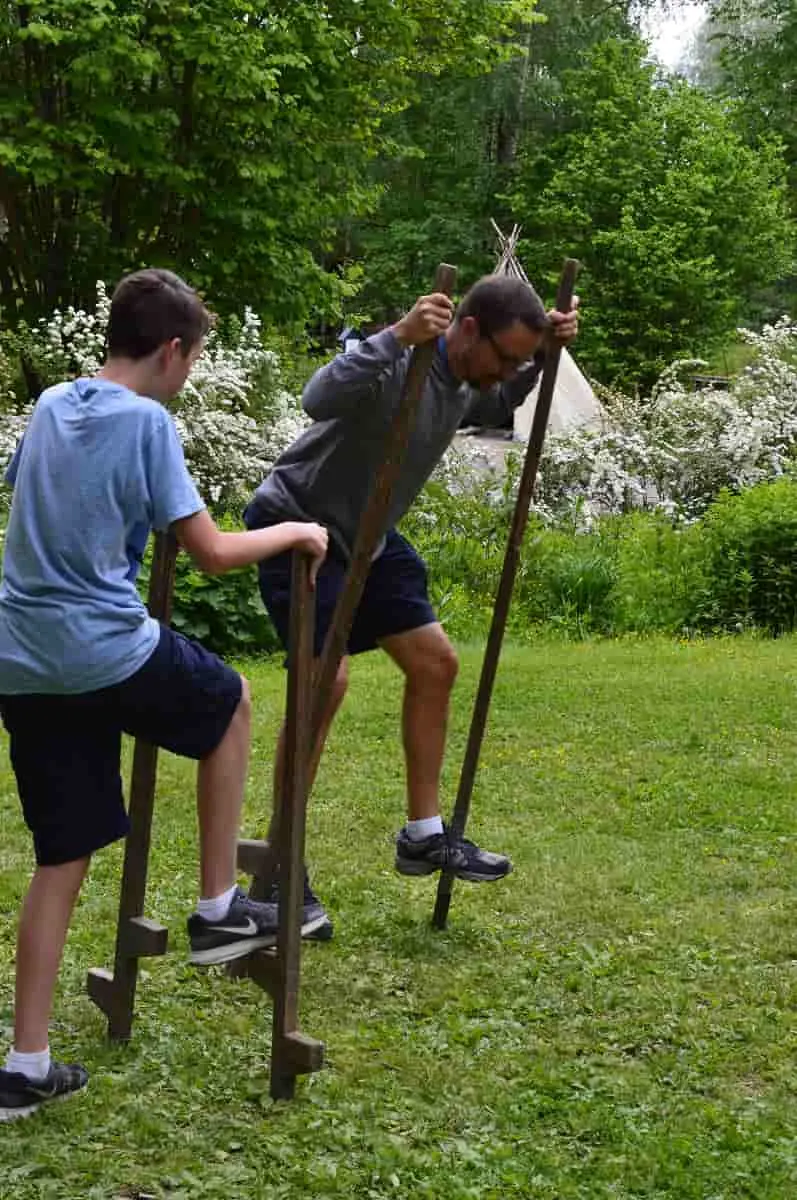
(497, 301)
(151, 307)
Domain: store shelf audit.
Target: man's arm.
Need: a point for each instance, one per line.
(337, 388)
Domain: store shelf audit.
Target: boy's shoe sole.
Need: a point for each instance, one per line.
(231, 951)
(316, 925)
(318, 929)
(19, 1114)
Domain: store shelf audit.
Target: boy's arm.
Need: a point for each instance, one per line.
(176, 504)
(215, 551)
(13, 466)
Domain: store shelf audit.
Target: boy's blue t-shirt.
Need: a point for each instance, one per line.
(98, 467)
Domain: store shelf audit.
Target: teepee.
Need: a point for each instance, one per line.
(574, 401)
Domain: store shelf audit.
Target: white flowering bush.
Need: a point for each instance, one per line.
(675, 450)
(234, 416)
(70, 341)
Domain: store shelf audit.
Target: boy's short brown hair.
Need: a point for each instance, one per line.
(151, 307)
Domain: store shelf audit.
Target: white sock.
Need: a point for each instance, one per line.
(217, 908)
(36, 1065)
(426, 827)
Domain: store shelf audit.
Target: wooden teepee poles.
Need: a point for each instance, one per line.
(503, 598)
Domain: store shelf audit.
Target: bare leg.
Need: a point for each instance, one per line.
(43, 926)
(338, 692)
(221, 780)
(430, 667)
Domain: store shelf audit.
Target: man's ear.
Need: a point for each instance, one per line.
(470, 327)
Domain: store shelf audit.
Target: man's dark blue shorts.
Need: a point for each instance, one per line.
(395, 598)
(65, 750)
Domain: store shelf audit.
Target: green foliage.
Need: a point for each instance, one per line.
(226, 140)
(675, 219)
(224, 612)
(678, 211)
(750, 541)
(459, 141)
(632, 574)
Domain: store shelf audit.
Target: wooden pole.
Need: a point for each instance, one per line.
(136, 936)
(564, 298)
(291, 1052)
(372, 523)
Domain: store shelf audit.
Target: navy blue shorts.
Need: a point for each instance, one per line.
(394, 600)
(65, 750)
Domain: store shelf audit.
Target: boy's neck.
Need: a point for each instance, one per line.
(134, 374)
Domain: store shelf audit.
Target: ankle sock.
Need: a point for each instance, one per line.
(424, 828)
(35, 1066)
(216, 909)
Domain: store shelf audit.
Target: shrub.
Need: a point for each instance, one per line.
(224, 612)
(234, 415)
(750, 541)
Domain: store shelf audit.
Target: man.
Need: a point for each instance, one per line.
(486, 361)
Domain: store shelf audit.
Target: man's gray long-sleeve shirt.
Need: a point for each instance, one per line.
(327, 473)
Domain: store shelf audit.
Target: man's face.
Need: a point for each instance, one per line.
(495, 357)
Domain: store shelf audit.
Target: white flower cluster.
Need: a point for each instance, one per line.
(672, 450)
(75, 336)
(675, 449)
(234, 416)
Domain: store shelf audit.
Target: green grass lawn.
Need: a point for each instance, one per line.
(617, 1019)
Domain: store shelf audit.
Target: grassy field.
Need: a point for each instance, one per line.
(616, 1020)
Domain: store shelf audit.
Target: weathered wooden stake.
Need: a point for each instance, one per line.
(258, 857)
(136, 936)
(372, 525)
(459, 820)
(292, 1053)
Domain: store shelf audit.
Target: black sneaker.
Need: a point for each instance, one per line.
(316, 925)
(249, 925)
(20, 1096)
(442, 852)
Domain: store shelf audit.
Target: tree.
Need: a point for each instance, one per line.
(226, 139)
(458, 146)
(677, 221)
(757, 42)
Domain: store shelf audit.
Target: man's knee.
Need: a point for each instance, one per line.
(438, 668)
(243, 712)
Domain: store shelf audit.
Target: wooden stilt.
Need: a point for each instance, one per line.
(292, 1053)
(369, 533)
(136, 936)
(503, 598)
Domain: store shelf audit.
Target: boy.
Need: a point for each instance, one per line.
(81, 661)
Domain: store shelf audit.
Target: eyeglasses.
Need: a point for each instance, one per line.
(510, 361)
